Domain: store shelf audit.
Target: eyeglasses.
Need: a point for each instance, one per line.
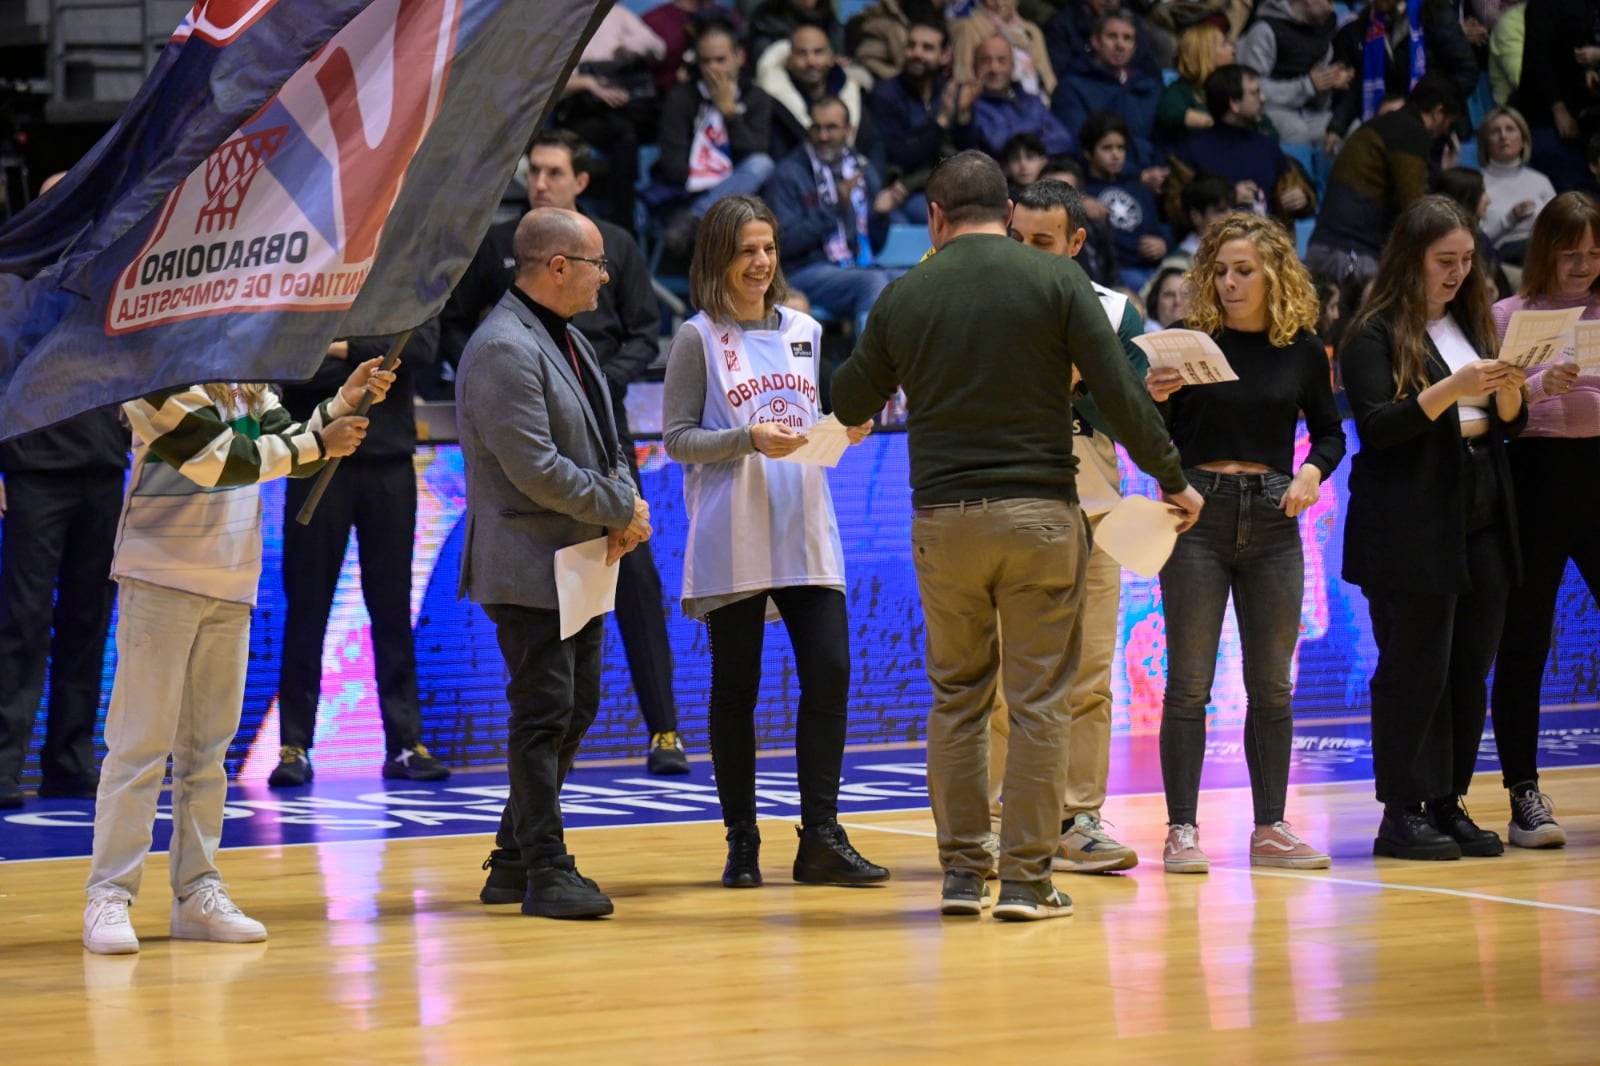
(602, 264)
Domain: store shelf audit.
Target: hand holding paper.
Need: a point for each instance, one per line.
(1139, 533)
(823, 444)
(586, 584)
(1535, 337)
(1193, 354)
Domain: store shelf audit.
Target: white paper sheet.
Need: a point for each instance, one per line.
(585, 586)
(1139, 533)
(1192, 353)
(1535, 337)
(1586, 348)
(825, 444)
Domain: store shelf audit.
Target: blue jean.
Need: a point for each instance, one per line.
(843, 290)
(1245, 545)
(749, 174)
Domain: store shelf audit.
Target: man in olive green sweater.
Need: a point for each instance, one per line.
(983, 337)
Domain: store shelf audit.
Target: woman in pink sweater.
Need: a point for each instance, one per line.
(1555, 466)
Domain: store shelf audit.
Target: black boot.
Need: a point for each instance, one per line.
(508, 877)
(557, 890)
(744, 857)
(827, 858)
(1405, 833)
(1450, 818)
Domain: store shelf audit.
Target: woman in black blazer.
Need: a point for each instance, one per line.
(1429, 535)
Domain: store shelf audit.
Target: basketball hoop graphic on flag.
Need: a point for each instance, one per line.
(229, 172)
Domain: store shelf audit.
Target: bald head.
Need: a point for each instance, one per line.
(560, 258)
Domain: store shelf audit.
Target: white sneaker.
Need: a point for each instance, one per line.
(208, 914)
(106, 928)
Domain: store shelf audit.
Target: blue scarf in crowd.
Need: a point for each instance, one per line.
(1375, 57)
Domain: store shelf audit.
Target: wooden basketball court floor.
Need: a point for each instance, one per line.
(380, 952)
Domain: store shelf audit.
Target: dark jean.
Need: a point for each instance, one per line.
(1245, 545)
(554, 693)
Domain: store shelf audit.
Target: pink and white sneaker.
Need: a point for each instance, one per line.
(1182, 854)
(1275, 845)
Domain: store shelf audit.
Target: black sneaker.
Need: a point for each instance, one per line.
(826, 857)
(1533, 819)
(1406, 833)
(666, 754)
(10, 795)
(293, 769)
(415, 764)
(1451, 818)
(1031, 901)
(508, 877)
(965, 892)
(73, 787)
(744, 857)
(557, 890)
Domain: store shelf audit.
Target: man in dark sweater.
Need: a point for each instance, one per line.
(374, 493)
(60, 495)
(916, 110)
(1386, 164)
(1236, 149)
(984, 337)
(623, 329)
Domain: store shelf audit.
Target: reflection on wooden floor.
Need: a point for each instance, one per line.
(380, 953)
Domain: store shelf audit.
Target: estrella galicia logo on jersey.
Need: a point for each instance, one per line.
(782, 410)
(800, 349)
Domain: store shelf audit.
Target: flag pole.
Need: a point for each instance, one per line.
(310, 507)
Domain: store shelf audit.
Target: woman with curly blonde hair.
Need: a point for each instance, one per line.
(1253, 296)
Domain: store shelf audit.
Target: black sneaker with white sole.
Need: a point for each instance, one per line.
(415, 764)
(1031, 901)
(965, 892)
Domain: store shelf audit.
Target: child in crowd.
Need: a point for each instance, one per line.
(1140, 236)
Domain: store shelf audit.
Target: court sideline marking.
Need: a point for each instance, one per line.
(1252, 872)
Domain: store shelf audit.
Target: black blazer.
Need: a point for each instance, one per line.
(1405, 530)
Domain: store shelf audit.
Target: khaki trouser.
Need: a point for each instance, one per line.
(980, 566)
(179, 690)
(1089, 731)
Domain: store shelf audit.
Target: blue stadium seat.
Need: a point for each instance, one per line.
(904, 247)
(849, 8)
(1302, 235)
(1469, 155)
(639, 7)
(1168, 75)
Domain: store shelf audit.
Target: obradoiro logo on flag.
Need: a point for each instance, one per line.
(286, 214)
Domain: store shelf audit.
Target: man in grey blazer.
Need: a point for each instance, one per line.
(544, 471)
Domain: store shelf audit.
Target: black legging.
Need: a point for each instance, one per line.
(1558, 519)
(819, 631)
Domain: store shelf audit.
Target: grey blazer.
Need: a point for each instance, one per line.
(538, 459)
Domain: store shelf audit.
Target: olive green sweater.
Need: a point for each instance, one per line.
(983, 338)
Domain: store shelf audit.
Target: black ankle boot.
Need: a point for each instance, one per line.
(1406, 833)
(827, 858)
(1450, 818)
(744, 857)
(508, 877)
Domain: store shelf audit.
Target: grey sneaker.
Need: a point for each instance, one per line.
(965, 892)
(1086, 848)
(1030, 901)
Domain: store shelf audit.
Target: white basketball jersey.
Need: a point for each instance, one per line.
(759, 523)
(1099, 473)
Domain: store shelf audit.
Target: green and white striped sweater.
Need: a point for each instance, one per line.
(192, 516)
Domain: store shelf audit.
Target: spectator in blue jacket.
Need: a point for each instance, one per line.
(1111, 82)
(1141, 238)
(1067, 34)
(833, 215)
(1235, 148)
(1001, 112)
(916, 111)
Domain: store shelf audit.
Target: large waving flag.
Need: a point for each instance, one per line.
(292, 171)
